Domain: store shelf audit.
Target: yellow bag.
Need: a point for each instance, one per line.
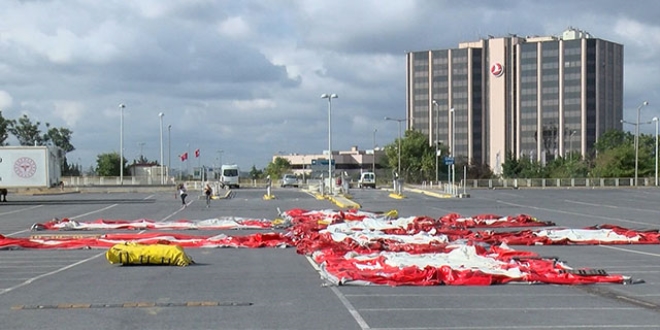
(148, 254)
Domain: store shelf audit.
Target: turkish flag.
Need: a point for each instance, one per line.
(196, 153)
(184, 156)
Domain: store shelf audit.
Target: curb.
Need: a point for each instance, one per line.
(430, 193)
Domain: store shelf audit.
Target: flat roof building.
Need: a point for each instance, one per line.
(536, 96)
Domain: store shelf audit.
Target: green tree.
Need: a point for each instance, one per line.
(615, 162)
(277, 168)
(144, 161)
(255, 173)
(108, 164)
(60, 137)
(613, 139)
(5, 124)
(70, 169)
(417, 157)
(572, 167)
(479, 171)
(27, 133)
(511, 167)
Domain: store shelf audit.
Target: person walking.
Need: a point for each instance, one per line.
(208, 192)
(182, 193)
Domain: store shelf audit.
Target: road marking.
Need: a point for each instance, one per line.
(510, 326)
(140, 304)
(74, 217)
(631, 251)
(591, 204)
(29, 281)
(92, 212)
(21, 210)
(517, 308)
(356, 315)
(575, 213)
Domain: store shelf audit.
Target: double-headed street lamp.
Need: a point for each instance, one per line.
(162, 179)
(645, 103)
(329, 97)
(121, 144)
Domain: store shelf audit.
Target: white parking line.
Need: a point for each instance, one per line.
(572, 326)
(576, 213)
(356, 315)
(21, 210)
(30, 280)
(3, 291)
(74, 217)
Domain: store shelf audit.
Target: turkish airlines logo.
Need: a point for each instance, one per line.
(497, 69)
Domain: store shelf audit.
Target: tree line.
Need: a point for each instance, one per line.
(29, 133)
(613, 156)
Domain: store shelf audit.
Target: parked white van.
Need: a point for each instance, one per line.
(229, 176)
(367, 180)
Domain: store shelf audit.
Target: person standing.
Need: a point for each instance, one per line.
(182, 193)
(208, 191)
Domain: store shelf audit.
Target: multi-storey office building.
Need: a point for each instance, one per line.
(537, 97)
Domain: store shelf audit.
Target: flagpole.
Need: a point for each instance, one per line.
(188, 163)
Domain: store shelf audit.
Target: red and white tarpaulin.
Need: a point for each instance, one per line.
(459, 265)
(371, 248)
(147, 224)
(257, 240)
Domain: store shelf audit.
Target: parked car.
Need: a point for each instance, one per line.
(289, 180)
(367, 180)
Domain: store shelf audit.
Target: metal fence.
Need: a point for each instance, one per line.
(550, 183)
(81, 181)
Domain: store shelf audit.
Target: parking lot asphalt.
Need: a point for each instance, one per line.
(275, 288)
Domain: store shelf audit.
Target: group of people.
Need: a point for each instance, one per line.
(183, 193)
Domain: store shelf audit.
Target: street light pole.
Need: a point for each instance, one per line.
(373, 160)
(645, 103)
(169, 150)
(399, 150)
(453, 147)
(570, 144)
(655, 119)
(329, 97)
(435, 138)
(121, 144)
(162, 179)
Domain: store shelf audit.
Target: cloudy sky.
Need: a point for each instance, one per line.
(245, 77)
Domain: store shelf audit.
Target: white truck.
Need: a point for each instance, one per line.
(30, 167)
(229, 176)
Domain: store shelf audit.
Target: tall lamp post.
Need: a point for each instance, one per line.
(121, 144)
(453, 147)
(655, 119)
(373, 160)
(399, 146)
(570, 144)
(645, 103)
(329, 97)
(435, 139)
(162, 180)
(169, 150)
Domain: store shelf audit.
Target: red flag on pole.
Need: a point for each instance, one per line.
(196, 152)
(184, 156)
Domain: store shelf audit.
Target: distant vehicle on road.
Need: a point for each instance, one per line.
(289, 180)
(367, 180)
(229, 176)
